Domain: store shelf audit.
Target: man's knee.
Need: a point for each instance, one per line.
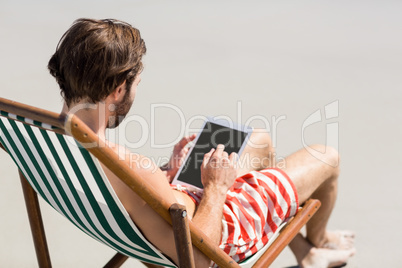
(329, 156)
(258, 154)
(260, 139)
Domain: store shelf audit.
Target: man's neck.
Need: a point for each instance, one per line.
(95, 116)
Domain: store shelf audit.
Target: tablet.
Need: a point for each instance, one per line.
(213, 132)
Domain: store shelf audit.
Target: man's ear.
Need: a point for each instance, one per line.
(119, 92)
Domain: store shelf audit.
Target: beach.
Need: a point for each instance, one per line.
(306, 71)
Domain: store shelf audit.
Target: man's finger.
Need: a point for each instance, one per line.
(219, 150)
(185, 140)
(207, 156)
(182, 142)
(233, 158)
(192, 137)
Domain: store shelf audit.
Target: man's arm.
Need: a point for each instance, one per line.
(218, 175)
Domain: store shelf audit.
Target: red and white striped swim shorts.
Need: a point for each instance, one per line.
(256, 205)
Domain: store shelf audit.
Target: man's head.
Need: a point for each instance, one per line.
(94, 57)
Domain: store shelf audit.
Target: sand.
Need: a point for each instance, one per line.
(266, 64)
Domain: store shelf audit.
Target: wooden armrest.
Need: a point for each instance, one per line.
(288, 233)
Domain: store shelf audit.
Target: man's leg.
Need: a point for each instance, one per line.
(309, 256)
(313, 176)
(316, 176)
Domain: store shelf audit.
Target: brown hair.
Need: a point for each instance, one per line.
(94, 57)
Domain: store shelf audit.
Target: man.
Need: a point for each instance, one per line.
(98, 65)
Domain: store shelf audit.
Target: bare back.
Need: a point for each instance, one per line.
(155, 229)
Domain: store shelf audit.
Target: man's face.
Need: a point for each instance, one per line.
(122, 108)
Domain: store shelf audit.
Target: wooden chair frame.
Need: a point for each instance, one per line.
(186, 233)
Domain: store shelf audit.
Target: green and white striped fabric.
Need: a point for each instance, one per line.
(27, 120)
(72, 181)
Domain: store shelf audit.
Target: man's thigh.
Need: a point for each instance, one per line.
(309, 170)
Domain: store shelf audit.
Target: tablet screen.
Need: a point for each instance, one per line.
(211, 135)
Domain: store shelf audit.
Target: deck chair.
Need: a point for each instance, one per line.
(59, 158)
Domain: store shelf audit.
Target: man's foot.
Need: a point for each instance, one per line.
(322, 257)
(339, 240)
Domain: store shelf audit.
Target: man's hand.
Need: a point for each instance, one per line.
(218, 169)
(176, 160)
(218, 173)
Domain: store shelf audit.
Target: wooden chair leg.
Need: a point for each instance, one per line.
(149, 265)
(116, 261)
(182, 236)
(288, 233)
(2, 147)
(36, 223)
